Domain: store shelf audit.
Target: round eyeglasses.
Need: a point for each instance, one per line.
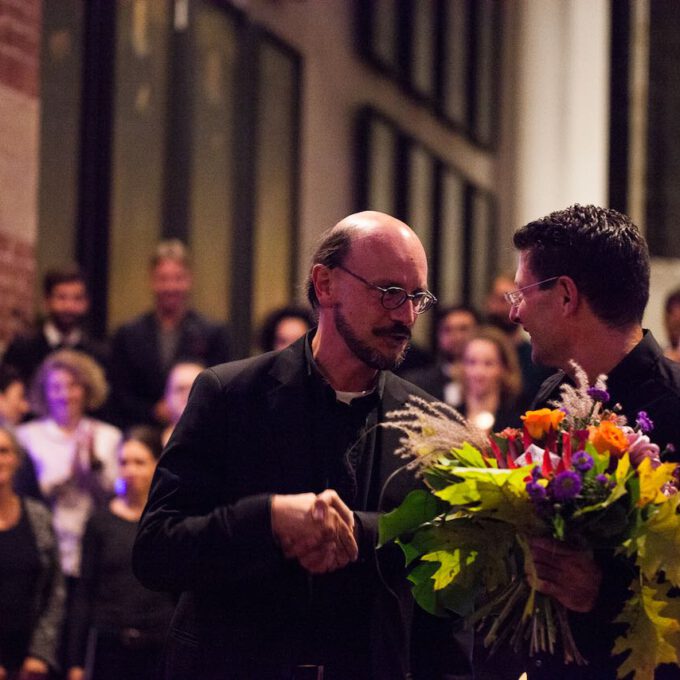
(393, 296)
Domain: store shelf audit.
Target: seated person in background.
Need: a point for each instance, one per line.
(672, 323)
(492, 381)
(74, 455)
(117, 627)
(497, 310)
(13, 402)
(180, 380)
(31, 584)
(144, 350)
(13, 407)
(283, 326)
(455, 325)
(66, 303)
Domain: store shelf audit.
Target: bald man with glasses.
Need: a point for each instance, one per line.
(264, 511)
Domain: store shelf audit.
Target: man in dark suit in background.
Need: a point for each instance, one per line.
(67, 304)
(443, 379)
(144, 350)
(264, 509)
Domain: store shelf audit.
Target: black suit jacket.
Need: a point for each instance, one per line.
(27, 351)
(206, 530)
(137, 376)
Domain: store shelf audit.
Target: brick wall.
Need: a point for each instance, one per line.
(20, 26)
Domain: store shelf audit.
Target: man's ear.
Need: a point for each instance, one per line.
(321, 279)
(570, 295)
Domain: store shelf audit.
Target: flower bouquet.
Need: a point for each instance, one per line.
(577, 473)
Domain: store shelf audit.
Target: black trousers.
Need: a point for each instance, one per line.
(112, 656)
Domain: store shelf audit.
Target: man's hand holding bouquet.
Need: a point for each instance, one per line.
(506, 531)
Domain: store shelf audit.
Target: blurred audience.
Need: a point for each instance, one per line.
(144, 350)
(283, 326)
(177, 388)
(13, 407)
(442, 379)
(672, 324)
(497, 310)
(74, 455)
(31, 584)
(492, 380)
(117, 626)
(13, 402)
(66, 303)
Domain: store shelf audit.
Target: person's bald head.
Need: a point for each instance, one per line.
(367, 234)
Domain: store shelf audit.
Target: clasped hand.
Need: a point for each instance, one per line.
(571, 576)
(316, 530)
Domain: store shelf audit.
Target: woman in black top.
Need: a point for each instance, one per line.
(117, 626)
(31, 583)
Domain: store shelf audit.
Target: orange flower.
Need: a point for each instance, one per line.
(608, 436)
(539, 423)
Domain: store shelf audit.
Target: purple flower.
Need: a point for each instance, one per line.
(598, 395)
(536, 473)
(582, 461)
(536, 491)
(644, 422)
(566, 485)
(605, 481)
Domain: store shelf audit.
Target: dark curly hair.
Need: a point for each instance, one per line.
(267, 333)
(601, 250)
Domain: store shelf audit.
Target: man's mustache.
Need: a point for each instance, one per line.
(395, 329)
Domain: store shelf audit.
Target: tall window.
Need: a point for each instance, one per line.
(445, 53)
(186, 124)
(645, 146)
(455, 219)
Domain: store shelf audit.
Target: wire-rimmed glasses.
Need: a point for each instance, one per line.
(514, 297)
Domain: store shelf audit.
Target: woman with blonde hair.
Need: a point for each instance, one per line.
(492, 380)
(74, 454)
(31, 583)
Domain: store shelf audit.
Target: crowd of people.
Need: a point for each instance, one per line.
(262, 518)
(83, 423)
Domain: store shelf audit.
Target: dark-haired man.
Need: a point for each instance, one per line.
(582, 287)
(264, 509)
(66, 303)
(442, 379)
(144, 350)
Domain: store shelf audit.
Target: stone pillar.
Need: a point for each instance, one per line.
(20, 26)
(561, 105)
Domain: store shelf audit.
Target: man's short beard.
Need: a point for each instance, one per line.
(370, 356)
(68, 322)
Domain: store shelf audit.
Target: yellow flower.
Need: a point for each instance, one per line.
(539, 423)
(607, 436)
(652, 481)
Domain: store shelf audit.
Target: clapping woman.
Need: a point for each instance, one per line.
(31, 584)
(74, 454)
(117, 626)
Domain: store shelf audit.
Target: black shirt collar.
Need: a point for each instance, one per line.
(317, 377)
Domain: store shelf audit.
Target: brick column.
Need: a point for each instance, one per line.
(20, 26)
